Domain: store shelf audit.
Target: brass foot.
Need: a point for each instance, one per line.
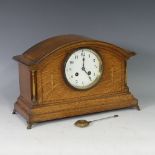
(14, 111)
(137, 107)
(29, 125)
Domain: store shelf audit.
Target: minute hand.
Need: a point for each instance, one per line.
(83, 63)
(83, 68)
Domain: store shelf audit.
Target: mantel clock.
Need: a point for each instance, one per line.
(72, 75)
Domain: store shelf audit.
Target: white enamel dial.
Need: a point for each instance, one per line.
(83, 68)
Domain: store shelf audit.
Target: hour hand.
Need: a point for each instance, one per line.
(87, 73)
(83, 68)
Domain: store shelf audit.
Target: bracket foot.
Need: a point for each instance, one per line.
(29, 125)
(137, 107)
(14, 111)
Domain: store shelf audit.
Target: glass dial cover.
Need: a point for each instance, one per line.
(83, 68)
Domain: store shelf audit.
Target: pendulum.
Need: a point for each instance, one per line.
(85, 123)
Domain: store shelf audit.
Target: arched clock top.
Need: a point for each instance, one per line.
(37, 53)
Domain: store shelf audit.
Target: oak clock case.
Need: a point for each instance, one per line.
(54, 84)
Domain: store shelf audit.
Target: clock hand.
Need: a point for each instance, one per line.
(87, 73)
(83, 68)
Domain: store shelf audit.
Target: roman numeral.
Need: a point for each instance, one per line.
(82, 53)
(76, 56)
(71, 62)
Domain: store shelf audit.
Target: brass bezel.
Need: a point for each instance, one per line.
(100, 69)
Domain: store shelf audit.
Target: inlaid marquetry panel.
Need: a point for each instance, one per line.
(51, 82)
